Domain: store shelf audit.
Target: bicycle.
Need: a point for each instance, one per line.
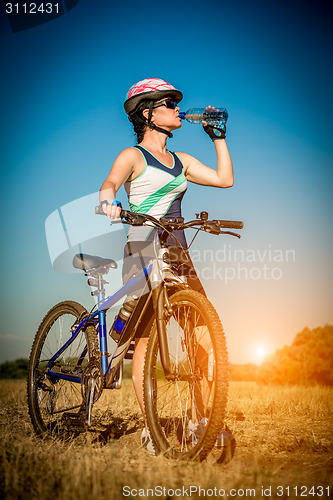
(186, 362)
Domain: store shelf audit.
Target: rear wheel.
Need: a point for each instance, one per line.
(56, 403)
(185, 413)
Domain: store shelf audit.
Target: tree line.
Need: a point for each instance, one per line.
(14, 369)
(307, 361)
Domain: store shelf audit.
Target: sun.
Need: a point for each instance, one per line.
(260, 351)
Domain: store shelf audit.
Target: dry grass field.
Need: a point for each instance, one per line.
(284, 445)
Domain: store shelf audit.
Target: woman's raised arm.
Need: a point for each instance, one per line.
(199, 173)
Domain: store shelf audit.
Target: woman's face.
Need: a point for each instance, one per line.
(165, 116)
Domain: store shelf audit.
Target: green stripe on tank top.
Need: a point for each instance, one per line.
(134, 208)
(154, 198)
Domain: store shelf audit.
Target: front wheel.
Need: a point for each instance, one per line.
(54, 380)
(185, 412)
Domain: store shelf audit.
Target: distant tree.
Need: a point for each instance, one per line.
(14, 369)
(243, 373)
(308, 360)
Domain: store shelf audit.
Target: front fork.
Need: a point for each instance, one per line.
(163, 310)
(159, 300)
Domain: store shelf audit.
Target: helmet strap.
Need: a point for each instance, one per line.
(150, 111)
(152, 125)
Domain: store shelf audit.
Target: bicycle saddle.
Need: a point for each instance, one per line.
(87, 262)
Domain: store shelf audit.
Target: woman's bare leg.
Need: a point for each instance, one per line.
(137, 372)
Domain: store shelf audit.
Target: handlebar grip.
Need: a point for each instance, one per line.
(99, 210)
(123, 214)
(234, 224)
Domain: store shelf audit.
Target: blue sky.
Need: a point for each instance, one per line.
(62, 124)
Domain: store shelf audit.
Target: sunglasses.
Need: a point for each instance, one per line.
(169, 103)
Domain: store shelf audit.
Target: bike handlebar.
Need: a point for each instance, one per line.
(210, 226)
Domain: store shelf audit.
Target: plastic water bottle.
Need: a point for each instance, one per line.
(217, 116)
(123, 316)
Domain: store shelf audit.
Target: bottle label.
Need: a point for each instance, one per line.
(118, 325)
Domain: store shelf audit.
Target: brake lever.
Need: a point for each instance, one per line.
(213, 228)
(231, 233)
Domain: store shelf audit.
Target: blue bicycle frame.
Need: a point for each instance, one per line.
(138, 281)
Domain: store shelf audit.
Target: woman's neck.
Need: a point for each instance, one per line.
(154, 141)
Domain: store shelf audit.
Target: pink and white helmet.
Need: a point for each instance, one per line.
(150, 88)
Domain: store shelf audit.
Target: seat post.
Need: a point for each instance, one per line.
(101, 289)
(97, 281)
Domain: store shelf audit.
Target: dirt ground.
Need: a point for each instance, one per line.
(284, 449)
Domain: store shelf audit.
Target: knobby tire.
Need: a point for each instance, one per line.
(172, 406)
(49, 399)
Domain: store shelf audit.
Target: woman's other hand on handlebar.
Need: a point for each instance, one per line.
(111, 208)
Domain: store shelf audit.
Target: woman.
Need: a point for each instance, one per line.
(155, 180)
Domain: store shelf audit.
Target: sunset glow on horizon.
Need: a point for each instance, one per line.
(259, 353)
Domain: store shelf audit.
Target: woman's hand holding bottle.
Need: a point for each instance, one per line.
(213, 120)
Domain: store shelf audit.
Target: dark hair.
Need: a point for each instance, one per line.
(138, 121)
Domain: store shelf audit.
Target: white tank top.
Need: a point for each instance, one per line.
(158, 191)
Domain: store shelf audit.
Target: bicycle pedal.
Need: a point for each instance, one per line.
(74, 421)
